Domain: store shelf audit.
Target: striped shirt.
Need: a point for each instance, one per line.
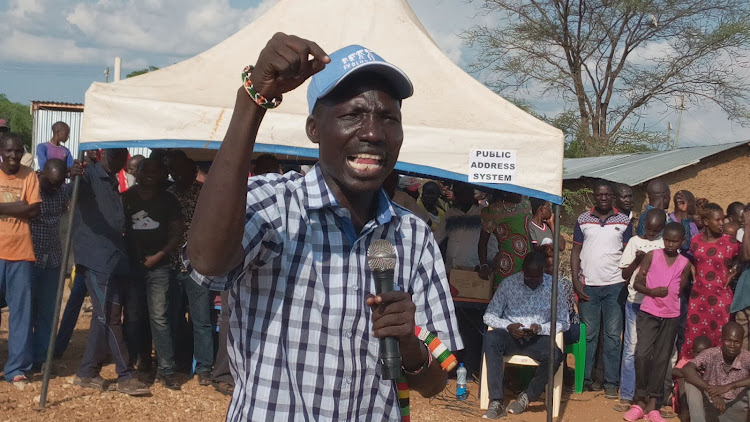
(300, 341)
(602, 244)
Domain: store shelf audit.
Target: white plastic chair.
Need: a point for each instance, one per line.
(484, 399)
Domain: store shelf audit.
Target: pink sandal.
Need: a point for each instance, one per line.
(655, 416)
(635, 413)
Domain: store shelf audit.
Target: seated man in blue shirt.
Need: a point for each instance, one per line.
(520, 315)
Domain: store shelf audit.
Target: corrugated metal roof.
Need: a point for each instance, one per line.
(633, 169)
(54, 105)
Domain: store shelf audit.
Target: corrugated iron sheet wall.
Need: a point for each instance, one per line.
(42, 130)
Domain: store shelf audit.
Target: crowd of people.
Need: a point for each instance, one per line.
(652, 292)
(127, 236)
(663, 296)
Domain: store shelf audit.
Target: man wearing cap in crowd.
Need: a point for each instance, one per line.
(306, 323)
(4, 126)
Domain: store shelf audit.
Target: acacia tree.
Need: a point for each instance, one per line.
(612, 59)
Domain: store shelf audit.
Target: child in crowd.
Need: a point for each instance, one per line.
(631, 259)
(663, 274)
(731, 228)
(55, 148)
(734, 213)
(132, 169)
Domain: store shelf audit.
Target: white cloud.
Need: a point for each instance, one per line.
(23, 47)
(94, 32)
(176, 27)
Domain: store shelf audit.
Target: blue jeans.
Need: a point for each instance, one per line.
(105, 333)
(15, 286)
(155, 284)
(606, 302)
(200, 315)
(43, 295)
(630, 338)
(72, 310)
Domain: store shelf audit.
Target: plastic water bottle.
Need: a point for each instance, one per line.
(461, 382)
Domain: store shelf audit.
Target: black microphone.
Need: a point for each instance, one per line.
(381, 258)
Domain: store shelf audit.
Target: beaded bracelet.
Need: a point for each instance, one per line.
(255, 95)
(426, 365)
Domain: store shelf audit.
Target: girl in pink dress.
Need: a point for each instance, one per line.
(711, 298)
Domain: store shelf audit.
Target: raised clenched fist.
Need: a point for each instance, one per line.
(285, 63)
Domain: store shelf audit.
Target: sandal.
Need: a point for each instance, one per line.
(224, 387)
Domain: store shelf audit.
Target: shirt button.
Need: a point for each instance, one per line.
(356, 287)
(348, 380)
(348, 334)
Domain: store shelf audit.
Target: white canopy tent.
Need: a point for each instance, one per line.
(189, 104)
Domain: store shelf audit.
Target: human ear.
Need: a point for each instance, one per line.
(311, 128)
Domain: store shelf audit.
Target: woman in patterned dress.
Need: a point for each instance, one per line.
(506, 218)
(710, 299)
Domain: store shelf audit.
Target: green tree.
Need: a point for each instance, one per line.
(141, 71)
(18, 117)
(611, 60)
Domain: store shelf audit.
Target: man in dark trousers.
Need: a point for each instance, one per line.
(100, 252)
(153, 231)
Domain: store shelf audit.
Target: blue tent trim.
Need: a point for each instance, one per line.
(416, 169)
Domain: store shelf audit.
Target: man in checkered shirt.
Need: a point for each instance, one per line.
(45, 235)
(305, 326)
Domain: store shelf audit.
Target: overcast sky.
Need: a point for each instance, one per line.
(53, 49)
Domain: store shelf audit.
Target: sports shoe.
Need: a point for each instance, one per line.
(97, 382)
(133, 387)
(169, 381)
(611, 392)
(655, 416)
(495, 410)
(593, 386)
(518, 405)
(20, 381)
(635, 413)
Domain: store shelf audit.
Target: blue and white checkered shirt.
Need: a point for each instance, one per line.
(300, 341)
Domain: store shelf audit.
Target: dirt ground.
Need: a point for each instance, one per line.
(67, 402)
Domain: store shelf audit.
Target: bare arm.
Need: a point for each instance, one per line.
(20, 209)
(628, 271)
(685, 277)
(575, 266)
(174, 236)
(693, 377)
(431, 380)
(640, 279)
(215, 237)
(484, 267)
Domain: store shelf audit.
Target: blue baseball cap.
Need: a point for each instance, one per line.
(348, 61)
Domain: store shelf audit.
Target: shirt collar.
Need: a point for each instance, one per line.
(317, 195)
(591, 211)
(546, 283)
(737, 363)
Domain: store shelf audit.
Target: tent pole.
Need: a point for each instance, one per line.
(553, 314)
(60, 288)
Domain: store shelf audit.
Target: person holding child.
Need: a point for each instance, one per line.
(662, 275)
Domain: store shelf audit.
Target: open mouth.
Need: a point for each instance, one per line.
(365, 163)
